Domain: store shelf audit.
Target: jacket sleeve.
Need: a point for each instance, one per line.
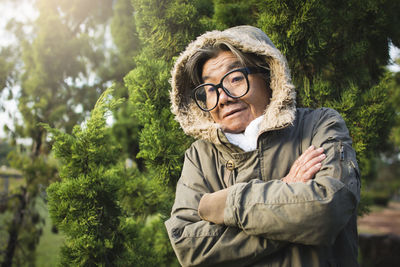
(200, 243)
(311, 213)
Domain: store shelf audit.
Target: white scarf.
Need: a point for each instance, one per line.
(248, 139)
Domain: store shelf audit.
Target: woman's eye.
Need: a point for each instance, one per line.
(211, 89)
(237, 79)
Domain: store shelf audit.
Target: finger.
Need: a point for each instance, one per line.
(311, 172)
(311, 163)
(300, 161)
(301, 165)
(313, 154)
(298, 168)
(305, 153)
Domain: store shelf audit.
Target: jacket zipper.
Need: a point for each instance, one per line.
(341, 149)
(341, 157)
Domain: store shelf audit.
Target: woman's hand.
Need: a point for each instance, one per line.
(306, 166)
(211, 207)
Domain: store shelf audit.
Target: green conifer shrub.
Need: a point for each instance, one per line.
(83, 204)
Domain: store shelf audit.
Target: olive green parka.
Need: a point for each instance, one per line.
(267, 222)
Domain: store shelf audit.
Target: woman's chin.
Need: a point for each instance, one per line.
(234, 129)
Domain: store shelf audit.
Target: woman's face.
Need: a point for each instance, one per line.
(235, 114)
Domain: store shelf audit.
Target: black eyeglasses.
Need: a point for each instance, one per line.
(235, 84)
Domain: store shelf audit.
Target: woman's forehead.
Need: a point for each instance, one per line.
(219, 65)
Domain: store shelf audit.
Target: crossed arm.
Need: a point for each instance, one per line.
(212, 205)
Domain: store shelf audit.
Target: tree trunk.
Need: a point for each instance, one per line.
(14, 230)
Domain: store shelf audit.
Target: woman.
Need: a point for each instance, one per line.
(265, 184)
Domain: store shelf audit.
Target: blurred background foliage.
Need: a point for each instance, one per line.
(110, 169)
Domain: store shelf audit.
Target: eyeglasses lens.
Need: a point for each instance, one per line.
(206, 96)
(235, 83)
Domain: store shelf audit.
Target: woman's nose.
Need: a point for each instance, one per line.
(223, 97)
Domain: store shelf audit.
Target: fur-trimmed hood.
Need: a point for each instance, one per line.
(248, 39)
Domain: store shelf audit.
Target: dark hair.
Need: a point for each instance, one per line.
(194, 65)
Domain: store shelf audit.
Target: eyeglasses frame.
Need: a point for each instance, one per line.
(246, 71)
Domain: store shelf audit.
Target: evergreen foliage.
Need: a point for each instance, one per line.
(107, 212)
(22, 225)
(84, 203)
(394, 92)
(229, 13)
(61, 55)
(51, 66)
(125, 38)
(6, 68)
(5, 148)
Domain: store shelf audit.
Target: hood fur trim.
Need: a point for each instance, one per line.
(279, 113)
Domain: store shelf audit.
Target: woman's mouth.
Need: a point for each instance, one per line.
(232, 112)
